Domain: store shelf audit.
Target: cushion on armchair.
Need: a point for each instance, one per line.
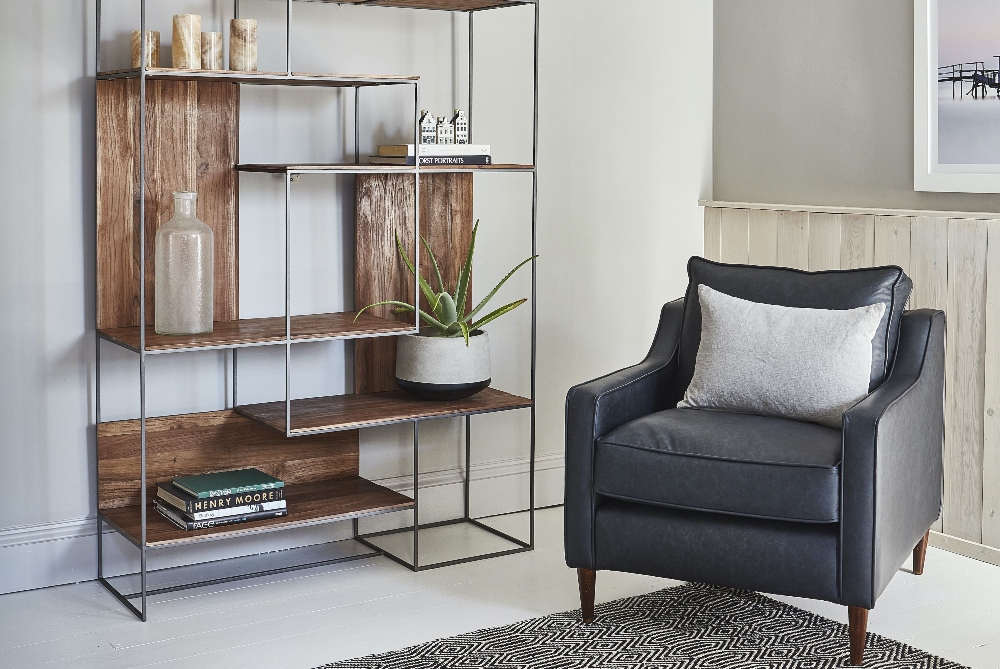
(741, 464)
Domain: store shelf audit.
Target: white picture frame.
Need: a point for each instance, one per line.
(928, 173)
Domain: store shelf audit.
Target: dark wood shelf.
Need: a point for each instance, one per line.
(308, 503)
(348, 412)
(265, 78)
(261, 331)
(282, 168)
(448, 5)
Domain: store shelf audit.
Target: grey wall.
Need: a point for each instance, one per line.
(618, 217)
(814, 105)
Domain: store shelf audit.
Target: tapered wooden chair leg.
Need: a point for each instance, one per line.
(857, 618)
(919, 553)
(587, 578)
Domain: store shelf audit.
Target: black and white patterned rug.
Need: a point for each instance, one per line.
(687, 626)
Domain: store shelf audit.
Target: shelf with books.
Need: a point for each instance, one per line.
(319, 415)
(263, 78)
(261, 332)
(308, 504)
(365, 168)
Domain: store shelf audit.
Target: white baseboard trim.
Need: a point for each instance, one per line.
(965, 547)
(65, 551)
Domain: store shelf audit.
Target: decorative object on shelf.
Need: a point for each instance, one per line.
(433, 154)
(187, 42)
(461, 124)
(152, 48)
(243, 45)
(430, 369)
(184, 271)
(428, 128)
(445, 131)
(211, 51)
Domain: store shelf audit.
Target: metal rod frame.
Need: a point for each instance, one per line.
(144, 592)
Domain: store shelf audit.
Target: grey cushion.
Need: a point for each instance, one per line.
(835, 289)
(806, 364)
(739, 464)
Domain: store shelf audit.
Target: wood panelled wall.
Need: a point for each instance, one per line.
(954, 261)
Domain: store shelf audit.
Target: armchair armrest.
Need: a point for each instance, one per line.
(595, 408)
(892, 463)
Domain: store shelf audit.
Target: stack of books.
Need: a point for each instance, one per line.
(222, 498)
(433, 154)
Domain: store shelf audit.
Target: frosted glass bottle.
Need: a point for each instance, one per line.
(185, 260)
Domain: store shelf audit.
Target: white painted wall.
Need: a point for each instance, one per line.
(625, 153)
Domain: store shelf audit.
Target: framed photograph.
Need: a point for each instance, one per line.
(956, 111)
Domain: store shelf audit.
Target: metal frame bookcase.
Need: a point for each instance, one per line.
(352, 498)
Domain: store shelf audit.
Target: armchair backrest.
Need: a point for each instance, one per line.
(834, 289)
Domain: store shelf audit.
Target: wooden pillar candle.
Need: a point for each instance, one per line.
(152, 48)
(243, 45)
(211, 51)
(187, 42)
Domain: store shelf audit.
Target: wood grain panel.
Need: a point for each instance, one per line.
(336, 499)
(857, 241)
(209, 442)
(963, 481)
(929, 271)
(991, 396)
(793, 239)
(735, 236)
(824, 241)
(385, 208)
(892, 241)
(340, 412)
(763, 242)
(191, 144)
(713, 234)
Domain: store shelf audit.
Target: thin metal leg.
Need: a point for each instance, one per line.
(288, 303)
(416, 493)
(357, 125)
(288, 37)
(468, 463)
(534, 293)
(236, 9)
(142, 304)
(471, 67)
(97, 40)
(355, 528)
(235, 376)
(100, 546)
(416, 201)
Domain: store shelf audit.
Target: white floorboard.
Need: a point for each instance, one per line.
(306, 618)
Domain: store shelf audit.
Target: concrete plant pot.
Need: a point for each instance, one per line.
(443, 368)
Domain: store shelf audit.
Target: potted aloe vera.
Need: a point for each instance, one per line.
(450, 357)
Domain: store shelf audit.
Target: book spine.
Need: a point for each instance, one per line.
(222, 492)
(192, 505)
(185, 524)
(455, 160)
(236, 510)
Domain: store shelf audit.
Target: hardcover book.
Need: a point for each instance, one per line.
(431, 160)
(192, 505)
(180, 521)
(220, 484)
(403, 150)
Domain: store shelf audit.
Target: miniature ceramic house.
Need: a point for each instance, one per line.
(445, 131)
(461, 124)
(428, 128)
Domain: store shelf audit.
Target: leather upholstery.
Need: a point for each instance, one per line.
(890, 463)
(724, 462)
(835, 289)
(798, 559)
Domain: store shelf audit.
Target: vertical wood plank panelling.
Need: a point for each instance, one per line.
(929, 271)
(963, 481)
(991, 400)
(763, 243)
(713, 233)
(857, 241)
(793, 239)
(824, 241)
(735, 236)
(892, 241)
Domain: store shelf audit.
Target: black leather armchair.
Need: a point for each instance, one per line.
(754, 502)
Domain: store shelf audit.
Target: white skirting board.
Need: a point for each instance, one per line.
(39, 556)
(966, 548)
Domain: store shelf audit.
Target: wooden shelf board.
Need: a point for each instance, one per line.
(281, 168)
(348, 412)
(265, 78)
(261, 331)
(449, 5)
(308, 503)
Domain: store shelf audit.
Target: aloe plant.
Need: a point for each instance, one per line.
(448, 317)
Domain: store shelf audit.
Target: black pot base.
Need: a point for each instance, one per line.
(442, 392)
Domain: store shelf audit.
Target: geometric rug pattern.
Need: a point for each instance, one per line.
(687, 626)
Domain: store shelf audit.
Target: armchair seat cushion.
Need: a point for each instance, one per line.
(741, 464)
